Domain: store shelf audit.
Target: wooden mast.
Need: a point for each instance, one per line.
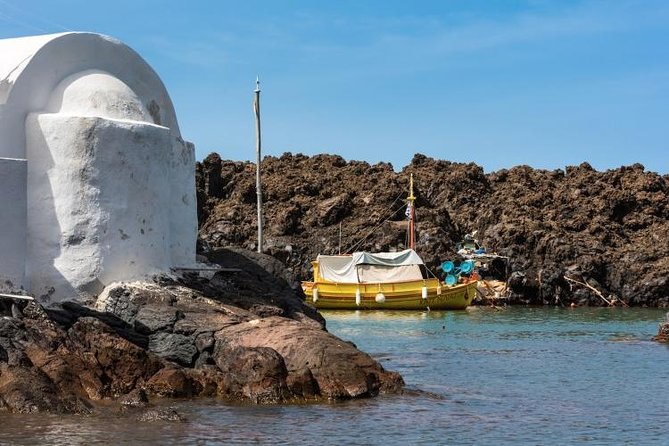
(256, 109)
(411, 213)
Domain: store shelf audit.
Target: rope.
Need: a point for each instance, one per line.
(355, 245)
(393, 212)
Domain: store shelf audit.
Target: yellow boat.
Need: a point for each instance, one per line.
(387, 280)
(421, 294)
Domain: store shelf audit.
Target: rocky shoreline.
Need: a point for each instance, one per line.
(609, 230)
(241, 334)
(240, 330)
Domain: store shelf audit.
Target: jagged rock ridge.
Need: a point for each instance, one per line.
(609, 228)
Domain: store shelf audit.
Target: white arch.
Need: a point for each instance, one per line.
(57, 237)
(32, 67)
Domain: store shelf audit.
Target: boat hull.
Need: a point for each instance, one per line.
(396, 296)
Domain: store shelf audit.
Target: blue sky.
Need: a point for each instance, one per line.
(496, 82)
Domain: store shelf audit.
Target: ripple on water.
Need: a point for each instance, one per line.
(515, 376)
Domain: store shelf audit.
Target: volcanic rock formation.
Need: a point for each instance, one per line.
(607, 229)
(242, 335)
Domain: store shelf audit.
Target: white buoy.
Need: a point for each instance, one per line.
(423, 292)
(314, 295)
(380, 298)
(358, 297)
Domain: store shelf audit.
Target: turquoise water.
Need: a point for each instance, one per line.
(482, 376)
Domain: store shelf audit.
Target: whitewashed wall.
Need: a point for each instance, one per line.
(12, 223)
(108, 193)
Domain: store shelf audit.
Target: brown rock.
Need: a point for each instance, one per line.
(179, 339)
(339, 369)
(663, 331)
(136, 398)
(610, 228)
(124, 364)
(256, 373)
(173, 383)
(158, 414)
(28, 390)
(303, 384)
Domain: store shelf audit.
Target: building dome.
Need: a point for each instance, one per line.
(97, 93)
(97, 185)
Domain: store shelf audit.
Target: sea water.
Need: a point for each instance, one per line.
(481, 376)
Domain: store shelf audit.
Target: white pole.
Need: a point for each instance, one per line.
(256, 107)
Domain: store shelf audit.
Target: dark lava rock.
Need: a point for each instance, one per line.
(663, 331)
(173, 347)
(173, 382)
(255, 373)
(136, 398)
(243, 335)
(609, 229)
(152, 319)
(153, 415)
(302, 383)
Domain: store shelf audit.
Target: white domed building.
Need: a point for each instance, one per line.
(97, 184)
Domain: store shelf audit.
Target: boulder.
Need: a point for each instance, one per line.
(177, 338)
(173, 347)
(338, 369)
(663, 331)
(254, 373)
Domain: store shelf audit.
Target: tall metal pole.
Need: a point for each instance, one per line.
(256, 108)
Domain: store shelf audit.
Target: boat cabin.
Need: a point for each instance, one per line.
(365, 267)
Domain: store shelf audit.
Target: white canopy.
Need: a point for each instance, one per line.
(365, 267)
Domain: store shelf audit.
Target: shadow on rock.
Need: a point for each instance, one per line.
(242, 335)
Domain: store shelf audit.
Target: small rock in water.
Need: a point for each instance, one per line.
(136, 398)
(168, 414)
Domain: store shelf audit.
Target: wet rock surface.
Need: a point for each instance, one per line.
(609, 230)
(240, 334)
(663, 331)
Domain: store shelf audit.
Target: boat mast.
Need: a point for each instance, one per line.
(412, 232)
(339, 238)
(256, 109)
